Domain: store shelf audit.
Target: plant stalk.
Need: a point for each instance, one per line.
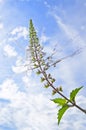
(45, 75)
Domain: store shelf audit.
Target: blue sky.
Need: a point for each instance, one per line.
(61, 24)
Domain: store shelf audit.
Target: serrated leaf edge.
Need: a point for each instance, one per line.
(60, 113)
(74, 92)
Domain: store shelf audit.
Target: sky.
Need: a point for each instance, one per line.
(61, 26)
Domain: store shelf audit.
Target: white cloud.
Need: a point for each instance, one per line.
(19, 69)
(18, 32)
(8, 89)
(21, 66)
(1, 25)
(33, 107)
(9, 51)
(27, 80)
(25, 109)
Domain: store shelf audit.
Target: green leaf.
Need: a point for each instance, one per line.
(61, 112)
(38, 72)
(74, 93)
(52, 80)
(46, 85)
(59, 101)
(54, 91)
(36, 66)
(42, 79)
(60, 89)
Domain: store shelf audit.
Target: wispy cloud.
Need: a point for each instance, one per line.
(68, 71)
(71, 33)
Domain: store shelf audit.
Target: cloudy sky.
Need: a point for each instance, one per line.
(60, 24)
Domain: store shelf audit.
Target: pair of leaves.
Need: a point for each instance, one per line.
(64, 103)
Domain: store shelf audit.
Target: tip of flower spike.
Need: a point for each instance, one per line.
(31, 21)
